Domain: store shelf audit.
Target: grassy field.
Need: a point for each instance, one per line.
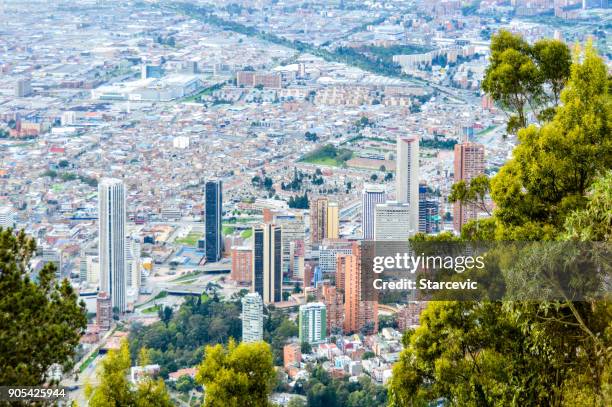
(160, 295)
(151, 310)
(88, 361)
(190, 240)
(328, 155)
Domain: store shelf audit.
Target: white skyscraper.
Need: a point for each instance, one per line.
(132, 258)
(7, 217)
(313, 322)
(407, 175)
(372, 194)
(111, 224)
(252, 318)
(392, 221)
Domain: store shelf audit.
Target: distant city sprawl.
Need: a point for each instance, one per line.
(305, 203)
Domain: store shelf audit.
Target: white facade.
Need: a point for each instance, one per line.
(372, 195)
(111, 224)
(392, 222)
(133, 264)
(252, 318)
(7, 217)
(313, 323)
(407, 175)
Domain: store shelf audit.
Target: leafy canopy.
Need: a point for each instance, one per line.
(40, 321)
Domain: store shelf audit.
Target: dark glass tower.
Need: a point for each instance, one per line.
(267, 261)
(214, 214)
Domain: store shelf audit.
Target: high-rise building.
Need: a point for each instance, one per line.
(7, 217)
(333, 221)
(393, 221)
(23, 88)
(429, 207)
(317, 276)
(242, 264)
(329, 251)
(469, 163)
(293, 229)
(214, 218)
(341, 260)
(372, 195)
(324, 220)
(133, 263)
(313, 323)
(407, 175)
(318, 220)
(267, 262)
(334, 304)
(292, 355)
(252, 318)
(111, 224)
(104, 311)
(359, 314)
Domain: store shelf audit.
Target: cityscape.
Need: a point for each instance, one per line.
(205, 174)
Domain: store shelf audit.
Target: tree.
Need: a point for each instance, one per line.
(553, 166)
(114, 389)
(40, 321)
(553, 351)
(237, 375)
(305, 348)
(518, 73)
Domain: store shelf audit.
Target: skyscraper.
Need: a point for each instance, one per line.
(372, 194)
(267, 262)
(332, 225)
(318, 220)
(393, 221)
(252, 318)
(469, 163)
(111, 212)
(214, 215)
(429, 217)
(359, 314)
(313, 323)
(407, 175)
(324, 220)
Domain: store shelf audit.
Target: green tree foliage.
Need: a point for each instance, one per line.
(114, 389)
(322, 390)
(40, 320)
(553, 166)
(237, 375)
(518, 74)
(278, 329)
(557, 186)
(178, 343)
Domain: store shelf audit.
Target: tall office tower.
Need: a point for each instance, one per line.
(252, 318)
(7, 217)
(407, 175)
(214, 217)
(341, 260)
(313, 323)
(242, 264)
(359, 314)
(332, 226)
(334, 303)
(267, 262)
(297, 251)
(317, 277)
(318, 220)
(469, 163)
(111, 224)
(372, 194)
(93, 270)
(429, 208)
(104, 311)
(329, 251)
(23, 88)
(293, 229)
(393, 221)
(132, 258)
